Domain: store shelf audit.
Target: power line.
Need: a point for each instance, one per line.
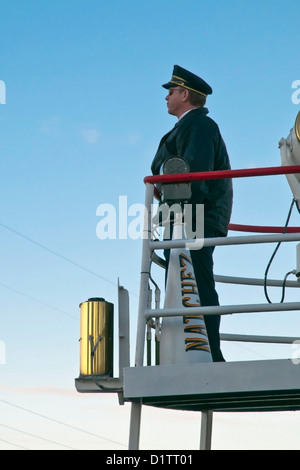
(36, 437)
(37, 300)
(64, 313)
(53, 252)
(59, 422)
(74, 263)
(12, 444)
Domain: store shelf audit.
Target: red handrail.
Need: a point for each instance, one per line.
(242, 173)
(219, 174)
(262, 228)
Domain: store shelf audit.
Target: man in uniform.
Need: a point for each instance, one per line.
(196, 138)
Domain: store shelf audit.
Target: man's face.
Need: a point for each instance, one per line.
(174, 100)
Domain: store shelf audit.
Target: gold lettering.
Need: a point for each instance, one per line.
(193, 317)
(196, 344)
(190, 287)
(197, 329)
(187, 302)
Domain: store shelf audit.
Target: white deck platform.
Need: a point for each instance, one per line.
(270, 385)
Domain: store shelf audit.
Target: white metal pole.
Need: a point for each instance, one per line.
(136, 407)
(144, 280)
(252, 281)
(225, 309)
(135, 425)
(124, 343)
(206, 430)
(198, 243)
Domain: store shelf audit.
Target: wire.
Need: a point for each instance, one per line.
(74, 263)
(37, 300)
(54, 252)
(60, 422)
(273, 256)
(37, 437)
(12, 444)
(284, 282)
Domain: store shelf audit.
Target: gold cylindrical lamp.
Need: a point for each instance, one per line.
(96, 337)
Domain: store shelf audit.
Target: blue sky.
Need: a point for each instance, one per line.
(84, 113)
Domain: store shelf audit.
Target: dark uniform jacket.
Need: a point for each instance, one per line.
(197, 139)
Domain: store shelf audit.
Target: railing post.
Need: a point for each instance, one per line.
(144, 280)
(135, 425)
(206, 430)
(136, 407)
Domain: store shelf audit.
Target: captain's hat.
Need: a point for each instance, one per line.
(190, 81)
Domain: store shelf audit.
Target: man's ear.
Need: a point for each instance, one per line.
(186, 95)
